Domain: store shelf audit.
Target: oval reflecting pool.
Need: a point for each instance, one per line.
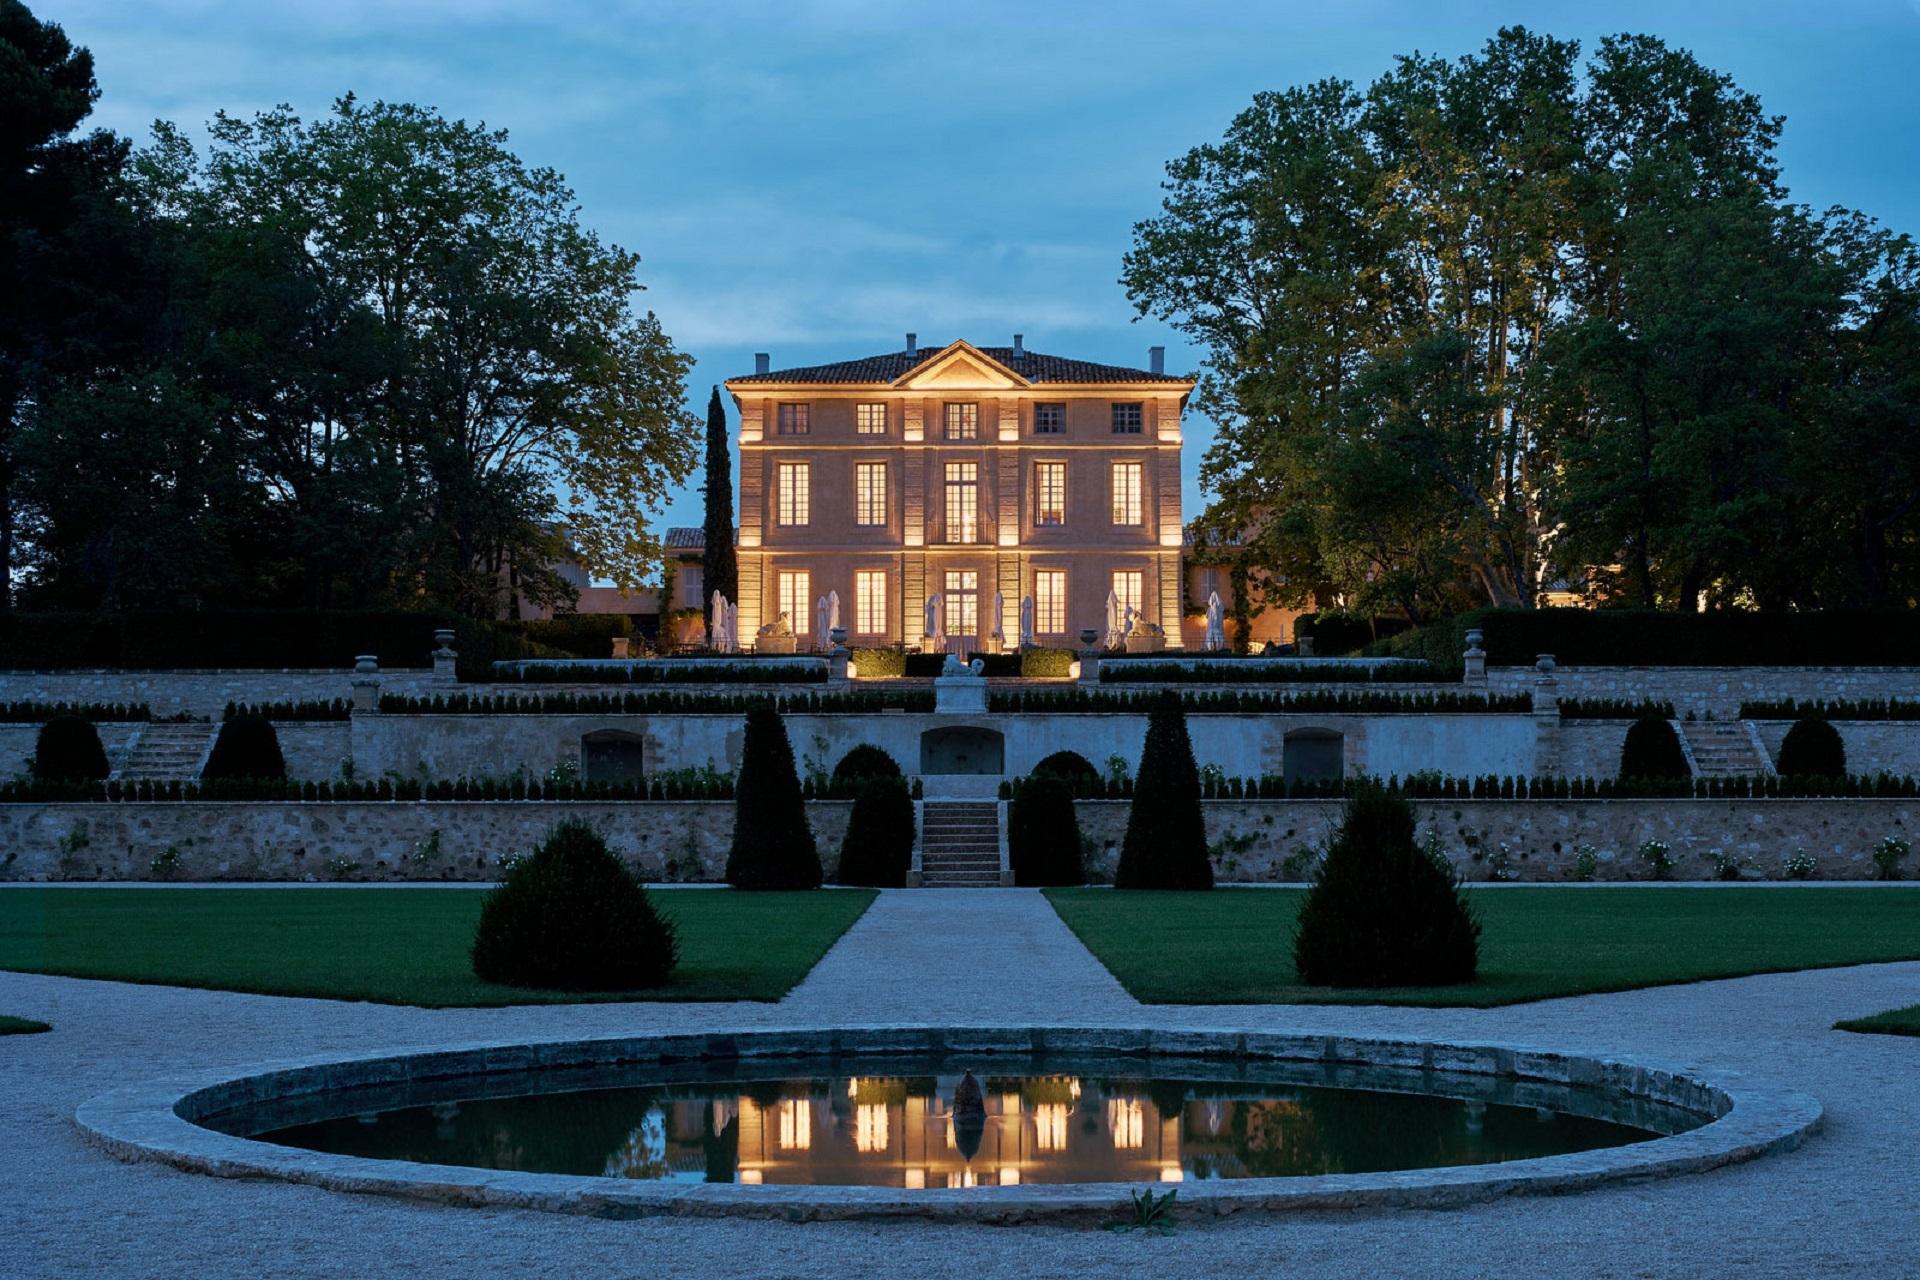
(948, 1122)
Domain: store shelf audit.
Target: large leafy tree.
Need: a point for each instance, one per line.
(1518, 317)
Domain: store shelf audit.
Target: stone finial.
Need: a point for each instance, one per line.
(366, 684)
(1546, 691)
(444, 658)
(1544, 663)
(1476, 658)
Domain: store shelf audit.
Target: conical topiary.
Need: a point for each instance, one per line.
(772, 844)
(878, 849)
(247, 747)
(1652, 750)
(1383, 912)
(1812, 749)
(1166, 844)
(571, 917)
(68, 750)
(1043, 833)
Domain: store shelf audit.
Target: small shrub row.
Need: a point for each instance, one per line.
(1232, 701)
(289, 712)
(1433, 786)
(1242, 671)
(734, 671)
(657, 702)
(1615, 709)
(670, 786)
(98, 712)
(894, 662)
(1831, 709)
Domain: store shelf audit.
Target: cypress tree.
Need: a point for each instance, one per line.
(772, 844)
(719, 571)
(1043, 833)
(878, 849)
(1166, 844)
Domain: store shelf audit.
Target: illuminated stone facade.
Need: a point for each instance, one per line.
(962, 472)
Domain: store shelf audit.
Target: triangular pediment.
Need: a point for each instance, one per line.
(959, 366)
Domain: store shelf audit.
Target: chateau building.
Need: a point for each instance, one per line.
(961, 472)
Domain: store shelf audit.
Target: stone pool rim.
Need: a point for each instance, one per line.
(156, 1121)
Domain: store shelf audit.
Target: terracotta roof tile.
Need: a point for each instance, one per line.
(1035, 366)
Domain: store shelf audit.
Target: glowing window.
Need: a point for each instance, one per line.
(795, 502)
(870, 493)
(963, 502)
(963, 602)
(963, 422)
(1127, 584)
(870, 419)
(1050, 493)
(1050, 601)
(1126, 493)
(870, 602)
(796, 590)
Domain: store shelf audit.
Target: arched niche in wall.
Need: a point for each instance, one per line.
(963, 749)
(612, 755)
(1314, 755)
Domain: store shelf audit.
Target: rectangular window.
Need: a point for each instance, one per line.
(962, 602)
(963, 502)
(1049, 493)
(870, 493)
(794, 420)
(963, 422)
(1126, 493)
(870, 419)
(870, 602)
(1127, 585)
(1049, 419)
(1126, 419)
(796, 590)
(795, 504)
(1050, 602)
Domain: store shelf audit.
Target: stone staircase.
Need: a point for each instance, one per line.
(164, 752)
(1724, 749)
(959, 844)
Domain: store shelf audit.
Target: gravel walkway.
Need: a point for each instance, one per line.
(1846, 1205)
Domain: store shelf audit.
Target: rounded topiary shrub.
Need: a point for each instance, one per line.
(1043, 833)
(1652, 750)
(878, 849)
(246, 748)
(571, 917)
(1075, 769)
(1382, 911)
(1812, 749)
(68, 750)
(772, 844)
(1166, 843)
(864, 762)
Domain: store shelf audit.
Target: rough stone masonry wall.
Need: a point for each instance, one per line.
(1278, 840)
(457, 840)
(314, 749)
(1719, 690)
(201, 693)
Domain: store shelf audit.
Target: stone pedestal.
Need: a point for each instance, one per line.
(959, 695)
(366, 684)
(1476, 659)
(444, 659)
(773, 644)
(1546, 718)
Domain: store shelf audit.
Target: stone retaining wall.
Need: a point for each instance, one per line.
(456, 840)
(201, 693)
(1719, 690)
(1278, 840)
(1873, 746)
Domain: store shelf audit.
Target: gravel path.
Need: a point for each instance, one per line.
(1846, 1205)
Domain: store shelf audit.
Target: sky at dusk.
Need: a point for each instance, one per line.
(815, 179)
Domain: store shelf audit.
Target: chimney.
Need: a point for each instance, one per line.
(1019, 345)
(761, 362)
(1157, 360)
(913, 343)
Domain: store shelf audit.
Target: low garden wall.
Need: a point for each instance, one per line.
(1278, 840)
(202, 693)
(453, 840)
(1719, 690)
(1873, 746)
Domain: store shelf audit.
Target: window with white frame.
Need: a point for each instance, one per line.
(963, 502)
(1128, 586)
(1126, 493)
(962, 602)
(794, 501)
(794, 420)
(963, 422)
(796, 592)
(1049, 493)
(870, 602)
(870, 419)
(870, 493)
(1050, 602)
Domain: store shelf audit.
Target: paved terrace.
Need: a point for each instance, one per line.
(1848, 1204)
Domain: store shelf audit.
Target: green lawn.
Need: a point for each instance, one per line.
(394, 946)
(1234, 946)
(1894, 1022)
(20, 1026)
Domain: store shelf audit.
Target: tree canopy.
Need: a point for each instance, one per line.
(1523, 319)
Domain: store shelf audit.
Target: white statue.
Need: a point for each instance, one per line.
(999, 621)
(781, 625)
(1216, 626)
(717, 629)
(1026, 622)
(936, 614)
(820, 623)
(833, 610)
(955, 666)
(1115, 623)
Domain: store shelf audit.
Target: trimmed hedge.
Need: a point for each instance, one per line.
(1812, 748)
(1660, 638)
(1334, 634)
(878, 848)
(1241, 701)
(1652, 750)
(1244, 671)
(1166, 841)
(864, 763)
(710, 671)
(246, 748)
(656, 702)
(1832, 709)
(1615, 709)
(572, 917)
(1043, 834)
(68, 750)
(96, 712)
(773, 846)
(291, 712)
